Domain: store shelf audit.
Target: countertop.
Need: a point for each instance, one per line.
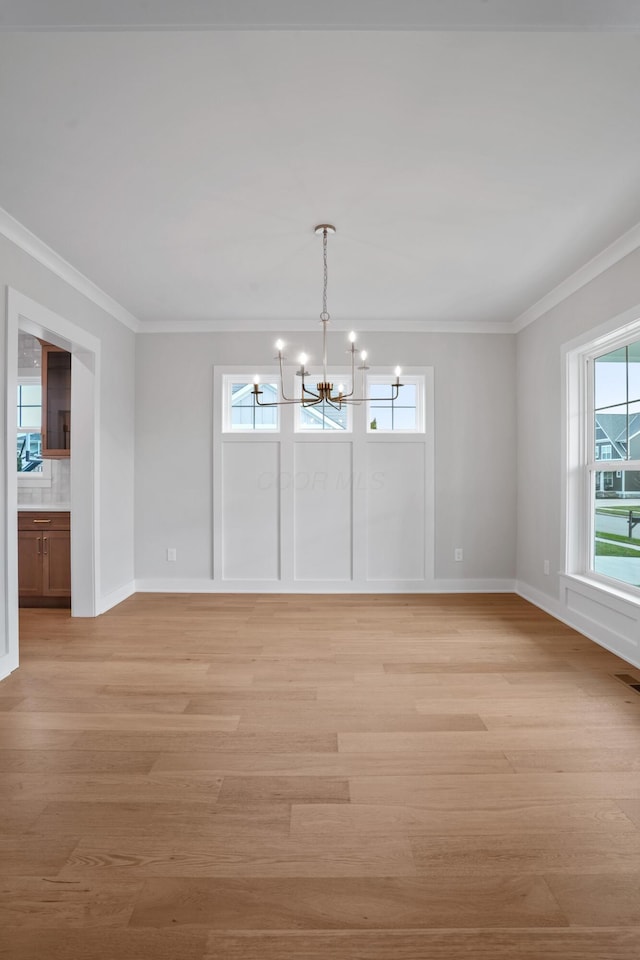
(44, 507)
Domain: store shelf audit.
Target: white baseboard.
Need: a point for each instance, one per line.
(201, 585)
(116, 596)
(8, 663)
(593, 630)
(472, 586)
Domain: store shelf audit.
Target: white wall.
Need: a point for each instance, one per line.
(21, 272)
(475, 463)
(540, 456)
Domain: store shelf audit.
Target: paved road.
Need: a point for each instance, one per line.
(620, 525)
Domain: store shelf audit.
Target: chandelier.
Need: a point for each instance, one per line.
(324, 391)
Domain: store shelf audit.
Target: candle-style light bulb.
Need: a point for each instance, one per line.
(352, 337)
(256, 380)
(363, 355)
(302, 359)
(340, 389)
(279, 345)
(398, 371)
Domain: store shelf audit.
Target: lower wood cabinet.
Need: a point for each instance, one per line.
(44, 559)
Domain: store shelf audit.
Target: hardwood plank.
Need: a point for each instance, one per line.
(346, 903)
(335, 764)
(158, 722)
(19, 815)
(600, 900)
(492, 791)
(237, 854)
(296, 789)
(76, 761)
(33, 855)
(181, 820)
(508, 739)
(527, 816)
(10, 703)
(354, 721)
(543, 853)
(563, 944)
(37, 739)
(41, 902)
(175, 742)
(599, 759)
(103, 704)
(111, 787)
(631, 809)
(106, 943)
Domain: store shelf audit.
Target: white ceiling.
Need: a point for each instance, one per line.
(468, 172)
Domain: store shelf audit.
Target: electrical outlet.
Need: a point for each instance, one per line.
(546, 568)
(457, 554)
(172, 554)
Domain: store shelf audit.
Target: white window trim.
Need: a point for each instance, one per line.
(416, 380)
(580, 462)
(42, 479)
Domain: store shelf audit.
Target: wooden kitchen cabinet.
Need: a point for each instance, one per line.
(56, 402)
(44, 559)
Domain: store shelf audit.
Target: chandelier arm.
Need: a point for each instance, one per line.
(353, 374)
(305, 390)
(285, 398)
(394, 386)
(284, 403)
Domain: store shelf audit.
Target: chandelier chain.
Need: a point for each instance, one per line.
(325, 314)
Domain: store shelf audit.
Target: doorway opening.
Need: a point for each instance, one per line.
(26, 316)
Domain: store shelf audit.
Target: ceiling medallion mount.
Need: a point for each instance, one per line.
(324, 392)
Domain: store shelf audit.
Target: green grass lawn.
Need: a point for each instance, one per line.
(617, 537)
(615, 550)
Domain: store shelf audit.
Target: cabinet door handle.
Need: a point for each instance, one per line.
(38, 546)
(44, 541)
(42, 521)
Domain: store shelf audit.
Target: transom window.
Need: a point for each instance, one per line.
(402, 415)
(325, 417)
(241, 413)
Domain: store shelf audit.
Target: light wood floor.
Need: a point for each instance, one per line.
(317, 778)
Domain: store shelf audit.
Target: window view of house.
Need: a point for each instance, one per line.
(616, 431)
(325, 416)
(248, 415)
(29, 420)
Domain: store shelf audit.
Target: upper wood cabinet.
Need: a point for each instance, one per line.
(56, 402)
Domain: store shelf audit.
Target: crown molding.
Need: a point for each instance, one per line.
(235, 325)
(27, 241)
(125, 15)
(611, 255)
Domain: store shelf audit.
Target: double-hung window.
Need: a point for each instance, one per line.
(613, 462)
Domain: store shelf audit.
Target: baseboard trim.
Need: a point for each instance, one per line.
(161, 585)
(588, 628)
(117, 596)
(8, 663)
(473, 586)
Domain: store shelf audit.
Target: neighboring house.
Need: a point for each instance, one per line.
(612, 443)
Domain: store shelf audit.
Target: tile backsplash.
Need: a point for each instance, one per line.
(58, 492)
